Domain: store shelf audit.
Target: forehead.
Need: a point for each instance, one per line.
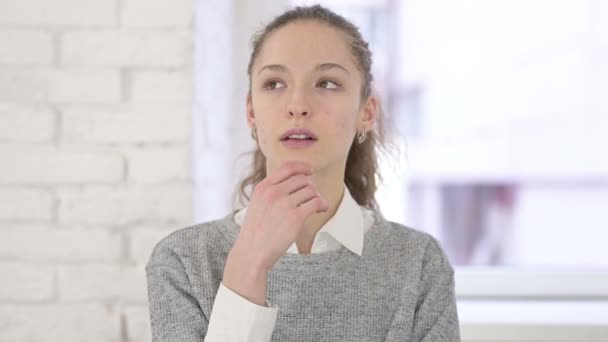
(305, 44)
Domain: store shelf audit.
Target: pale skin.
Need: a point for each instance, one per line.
(305, 76)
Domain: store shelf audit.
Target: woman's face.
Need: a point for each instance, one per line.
(306, 77)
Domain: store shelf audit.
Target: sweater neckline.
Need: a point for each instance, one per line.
(372, 240)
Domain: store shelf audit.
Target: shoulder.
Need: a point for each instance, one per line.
(417, 245)
(190, 241)
(408, 236)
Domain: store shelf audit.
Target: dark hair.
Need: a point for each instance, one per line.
(362, 161)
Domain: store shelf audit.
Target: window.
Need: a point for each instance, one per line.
(502, 124)
(501, 112)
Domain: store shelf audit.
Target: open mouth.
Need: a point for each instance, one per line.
(298, 141)
(298, 137)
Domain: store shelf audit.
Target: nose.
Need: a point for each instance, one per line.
(298, 104)
(293, 112)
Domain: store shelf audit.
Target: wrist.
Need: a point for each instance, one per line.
(243, 253)
(245, 277)
(252, 288)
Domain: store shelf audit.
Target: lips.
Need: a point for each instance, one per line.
(299, 131)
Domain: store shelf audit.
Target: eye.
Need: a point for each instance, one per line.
(271, 85)
(328, 84)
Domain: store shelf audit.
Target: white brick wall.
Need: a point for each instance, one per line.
(124, 205)
(95, 153)
(161, 86)
(90, 244)
(59, 86)
(158, 13)
(58, 13)
(102, 283)
(25, 47)
(25, 204)
(26, 123)
(152, 124)
(158, 164)
(60, 322)
(138, 323)
(142, 240)
(155, 48)
(26, 283)
(50, 165)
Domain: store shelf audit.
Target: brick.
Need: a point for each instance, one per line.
(151, 124)
(158, 164)
(127, 48)
(126, 205)
(142, 241)
(59, 323)
(158, 13)
(37, 243)
(58, 13)
(25, 204)
(49, 165)
(26, 123)
(21, 47)
(48, 85)
(161, 86)
(25, 283)
(137, 323)
(102, 283)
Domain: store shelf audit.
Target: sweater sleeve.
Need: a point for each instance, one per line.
(175, 314)
(436, 317)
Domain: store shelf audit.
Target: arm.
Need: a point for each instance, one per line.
(279, 205)
(176, 315)
(436, 317)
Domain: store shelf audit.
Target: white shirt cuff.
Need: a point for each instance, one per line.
(234, 318)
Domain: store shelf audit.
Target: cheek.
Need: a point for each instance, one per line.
(262, 133)
(346, 124)
(342, 119)
(344, 130)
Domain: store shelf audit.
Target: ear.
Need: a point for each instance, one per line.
(369, 113)
(249, 112)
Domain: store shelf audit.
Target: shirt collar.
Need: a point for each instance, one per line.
(346, 226)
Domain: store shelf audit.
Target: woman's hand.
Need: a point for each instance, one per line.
(275, 216)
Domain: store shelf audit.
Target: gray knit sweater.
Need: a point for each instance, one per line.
(400, 289)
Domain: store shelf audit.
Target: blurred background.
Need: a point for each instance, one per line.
(123, 120)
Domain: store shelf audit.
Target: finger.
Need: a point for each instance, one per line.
(315, 205)
(294, 183)
(303, 195)
(289, 169)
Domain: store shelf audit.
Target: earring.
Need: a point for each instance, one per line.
(254, 133)
(361, 136)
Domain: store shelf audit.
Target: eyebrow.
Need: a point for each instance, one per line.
(319, 67)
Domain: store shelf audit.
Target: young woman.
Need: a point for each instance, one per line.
(310, 258)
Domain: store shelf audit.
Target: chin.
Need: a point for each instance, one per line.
(283, 157)
(303, 159)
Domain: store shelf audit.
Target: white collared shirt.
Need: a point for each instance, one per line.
(346, 228)
(234, 318)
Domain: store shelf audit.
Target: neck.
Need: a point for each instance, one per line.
(332, 190)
